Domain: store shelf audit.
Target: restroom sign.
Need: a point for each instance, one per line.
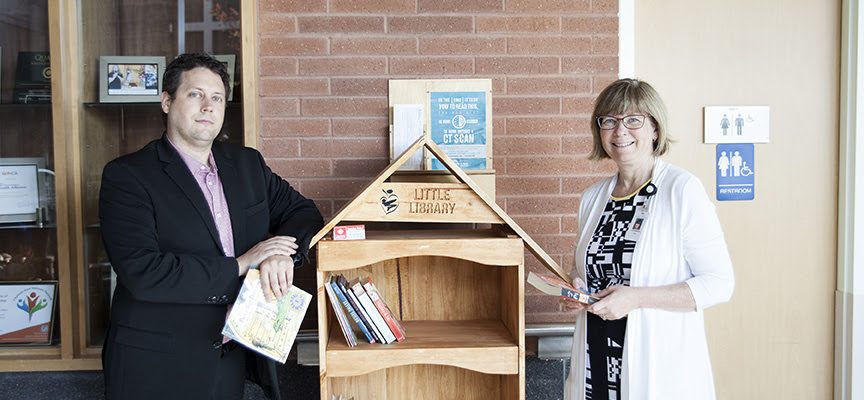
(736, 171)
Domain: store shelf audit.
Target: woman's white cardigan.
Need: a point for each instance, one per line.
(665, 352)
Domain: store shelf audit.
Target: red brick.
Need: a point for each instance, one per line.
(361, 127)
(279, 147)
(325, 206)
(549, 6)
(578, 184)
(459, 6)
(548, 85)
(590, 24)
(333, 188)
(499, 24)
(599, 82)
(570, 224)
(293, 6)
(376, 46)
(604, 45)
(520, 186)
(294, 127)
(276, 87)
(363, 168)
(581, 144)
(344, 148)
(276, 23)
(559, 244)
(548, 45)
(431, 65)
(283, 46)
(546, 125)
(343, 66)
(428, 24)
(543, 316)
(517, 65)
(580, 105)
(279, 107)
(338, 107)
(526, 105)
(535, 225)
(546, 166)
(373, 6)
(300, 167)
(462, 45)
(359, 86)
(589, 64)
(278, 66)
(605, 5)
(541, 205)
(509, 145)
(499, 85)
(499, 126)
(352, 24)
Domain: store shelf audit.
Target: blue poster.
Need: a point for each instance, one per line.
(458, 123)
(736, 171)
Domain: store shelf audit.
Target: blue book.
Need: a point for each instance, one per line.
(361, 312)
(351, 311)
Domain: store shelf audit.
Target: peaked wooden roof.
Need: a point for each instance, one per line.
(453, 168)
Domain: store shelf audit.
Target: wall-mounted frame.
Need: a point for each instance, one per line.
(229, 60)
(27, 312)
(19, 190)
(125, 79)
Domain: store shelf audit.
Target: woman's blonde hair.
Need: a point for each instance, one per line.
(626, 96)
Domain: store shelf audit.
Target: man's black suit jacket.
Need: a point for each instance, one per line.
(173, 280)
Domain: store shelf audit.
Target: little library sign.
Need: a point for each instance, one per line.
(419, 202)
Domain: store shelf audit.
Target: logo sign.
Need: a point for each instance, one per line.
(736, 171)
(389, 201)
(737, 124)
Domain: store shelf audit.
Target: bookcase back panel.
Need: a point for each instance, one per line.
(420, 382)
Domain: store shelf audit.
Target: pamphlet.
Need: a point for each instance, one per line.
(266, 327)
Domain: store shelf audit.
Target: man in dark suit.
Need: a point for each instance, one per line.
(183, 219)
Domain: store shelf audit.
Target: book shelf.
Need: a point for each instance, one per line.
(459, 292)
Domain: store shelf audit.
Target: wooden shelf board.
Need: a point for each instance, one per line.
(484, 249)
(484, 346)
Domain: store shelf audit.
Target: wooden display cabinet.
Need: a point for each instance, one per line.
(459, 292)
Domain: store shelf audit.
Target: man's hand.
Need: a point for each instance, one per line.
(275, 246)
(277, 276)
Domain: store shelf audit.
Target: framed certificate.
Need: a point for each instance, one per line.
(27, 312)
(19, 192)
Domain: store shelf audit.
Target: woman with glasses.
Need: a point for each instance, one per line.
(652, 250)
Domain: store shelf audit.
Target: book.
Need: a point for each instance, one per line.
(344, 325)
(340, 294)
(390, 318)
(266, 327)
(370, 308)
(559, 287)
(364, 315)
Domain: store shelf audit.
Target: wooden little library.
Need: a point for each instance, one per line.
(459, 293)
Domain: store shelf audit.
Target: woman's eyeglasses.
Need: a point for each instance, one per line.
(606, 122)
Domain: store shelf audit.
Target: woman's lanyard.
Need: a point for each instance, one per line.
(641, 216)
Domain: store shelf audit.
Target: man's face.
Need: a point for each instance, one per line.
(196, 112)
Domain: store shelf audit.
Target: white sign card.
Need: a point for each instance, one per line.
(26, 312)
(19, 190)
(736, 124)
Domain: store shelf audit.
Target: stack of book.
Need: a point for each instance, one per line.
(359, 301)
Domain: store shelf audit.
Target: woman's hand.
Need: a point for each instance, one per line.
(615, 302)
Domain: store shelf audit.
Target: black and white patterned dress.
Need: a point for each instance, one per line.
(607, 263)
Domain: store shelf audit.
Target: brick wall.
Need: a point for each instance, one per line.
(324, 69)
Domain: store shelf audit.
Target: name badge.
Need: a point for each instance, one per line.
(636, 225)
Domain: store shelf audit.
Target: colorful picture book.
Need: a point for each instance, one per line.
(359, 302)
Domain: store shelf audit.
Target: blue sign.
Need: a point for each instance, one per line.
(736, 171)
(458, 123)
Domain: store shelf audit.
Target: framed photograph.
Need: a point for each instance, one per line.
(228, 60)
(27, 312)
(130, 79)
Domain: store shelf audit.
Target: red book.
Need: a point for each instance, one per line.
(392, 322)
